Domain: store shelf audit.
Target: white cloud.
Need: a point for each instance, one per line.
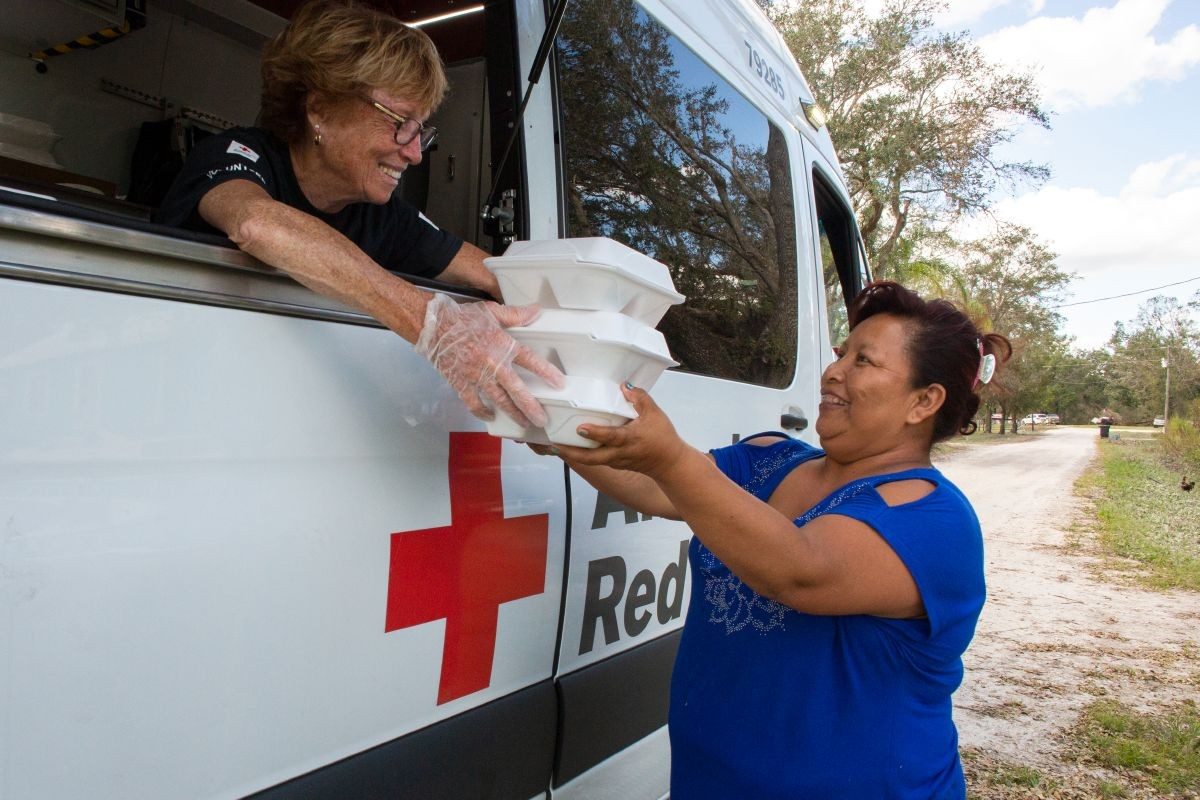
(1102, 58)
(1145, 236)
(1162, 178)
(1153, 222)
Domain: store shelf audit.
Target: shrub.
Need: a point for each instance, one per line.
(1181, 441)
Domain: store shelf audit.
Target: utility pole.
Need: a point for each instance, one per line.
(1167, 391)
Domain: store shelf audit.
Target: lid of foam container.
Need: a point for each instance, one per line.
(600, 326)
(590, 394)
(596, 251)
(594, 395)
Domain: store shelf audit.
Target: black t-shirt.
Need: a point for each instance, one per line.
(394, 234)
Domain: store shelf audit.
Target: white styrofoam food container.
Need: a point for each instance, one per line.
(598, 344)
(592, 400)
(588, 274)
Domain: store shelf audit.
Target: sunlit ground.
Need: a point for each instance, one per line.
(1024, 432)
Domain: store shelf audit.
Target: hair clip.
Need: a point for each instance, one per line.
(987, 366)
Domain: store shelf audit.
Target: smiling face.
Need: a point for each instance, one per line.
(358, 160)
(868, 403)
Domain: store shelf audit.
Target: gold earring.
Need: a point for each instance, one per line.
(317, 138)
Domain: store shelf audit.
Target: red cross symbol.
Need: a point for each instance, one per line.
(463, 572)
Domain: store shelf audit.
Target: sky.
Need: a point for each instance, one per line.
(1120, 80)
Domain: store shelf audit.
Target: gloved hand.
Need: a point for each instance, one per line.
(467, 344)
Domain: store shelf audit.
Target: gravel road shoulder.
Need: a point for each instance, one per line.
(1056, 634)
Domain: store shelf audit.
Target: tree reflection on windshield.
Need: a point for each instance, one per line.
(663, 155)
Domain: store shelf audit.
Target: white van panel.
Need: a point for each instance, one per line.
(538, 125)
(194, 550)
(636, 773)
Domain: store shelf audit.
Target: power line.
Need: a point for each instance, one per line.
(1128, 294)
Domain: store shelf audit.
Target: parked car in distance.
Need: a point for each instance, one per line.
(1160, 422)
(997, 417)
(1033, 419)
(1053, 419)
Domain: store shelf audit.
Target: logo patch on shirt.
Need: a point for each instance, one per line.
(239, 149)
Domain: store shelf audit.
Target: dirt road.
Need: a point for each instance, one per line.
(1054, 636)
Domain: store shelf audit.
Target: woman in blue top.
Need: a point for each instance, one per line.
(833, 590)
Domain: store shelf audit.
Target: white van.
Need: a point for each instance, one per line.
(250, 543)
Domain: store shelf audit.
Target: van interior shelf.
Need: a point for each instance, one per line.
(39, 173)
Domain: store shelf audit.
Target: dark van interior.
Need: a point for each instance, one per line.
(100, 101)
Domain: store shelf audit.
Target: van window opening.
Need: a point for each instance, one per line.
(490, 210)
(842, 263)
(662, 154)
(116, 122)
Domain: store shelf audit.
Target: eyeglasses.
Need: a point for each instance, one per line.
(408, 128)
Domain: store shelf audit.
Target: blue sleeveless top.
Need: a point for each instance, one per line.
(767, 702)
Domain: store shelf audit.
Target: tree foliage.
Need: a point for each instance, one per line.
(917, 115)
(1010, 283)
(1134, 364)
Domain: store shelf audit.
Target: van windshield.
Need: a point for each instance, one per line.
(661, 153)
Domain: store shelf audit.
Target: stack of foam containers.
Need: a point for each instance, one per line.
(600, 304)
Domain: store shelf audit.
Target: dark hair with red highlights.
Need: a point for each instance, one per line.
(944, 347)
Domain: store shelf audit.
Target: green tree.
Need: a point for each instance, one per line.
(917, 116)
(1011, 283)
(1135, 368)
(1079, 390)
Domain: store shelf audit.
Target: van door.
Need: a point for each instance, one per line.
(250, 542)
(667, 148)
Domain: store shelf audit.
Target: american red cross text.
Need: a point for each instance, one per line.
(463, 572)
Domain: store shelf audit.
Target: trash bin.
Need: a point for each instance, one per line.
(1103, 431)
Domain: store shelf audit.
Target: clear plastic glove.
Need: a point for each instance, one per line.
(468, 345)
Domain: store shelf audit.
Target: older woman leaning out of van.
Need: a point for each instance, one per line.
(346, 92)
(834, 590)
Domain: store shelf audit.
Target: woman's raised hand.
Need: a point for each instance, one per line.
(468, 345)
(647, 444)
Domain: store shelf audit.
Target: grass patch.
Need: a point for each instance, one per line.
(1123, 754)
(991, 777)
(1160, 749)
(1181, 440)
(1144, 515)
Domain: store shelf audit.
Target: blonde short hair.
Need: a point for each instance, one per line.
(337, 49)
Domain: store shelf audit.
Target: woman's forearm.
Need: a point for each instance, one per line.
(314, 254)
(760, 545)
(630, 489)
